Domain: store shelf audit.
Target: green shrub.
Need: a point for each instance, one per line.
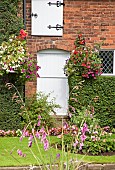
(38, 105)
(10, 23)
(99, 147)
(9, 109)
(99, 93)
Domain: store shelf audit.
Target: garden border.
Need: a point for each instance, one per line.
(84, 167)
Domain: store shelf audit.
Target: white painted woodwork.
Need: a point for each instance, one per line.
(52, 78)
(47, 15)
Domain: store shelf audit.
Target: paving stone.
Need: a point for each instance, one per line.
(95, 167)
(109, 167)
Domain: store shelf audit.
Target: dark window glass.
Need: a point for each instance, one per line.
(107, 60)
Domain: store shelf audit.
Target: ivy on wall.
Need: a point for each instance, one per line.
(10, 22)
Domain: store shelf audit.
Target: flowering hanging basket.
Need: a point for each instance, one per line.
(14, 57)
(83, 61)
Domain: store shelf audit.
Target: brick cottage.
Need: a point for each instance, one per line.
(52, 27)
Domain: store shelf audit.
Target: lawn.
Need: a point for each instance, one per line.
(9, 156)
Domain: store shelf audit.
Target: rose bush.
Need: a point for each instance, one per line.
(14, 57)
(84, 61)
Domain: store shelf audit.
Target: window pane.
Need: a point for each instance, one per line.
(107, 60)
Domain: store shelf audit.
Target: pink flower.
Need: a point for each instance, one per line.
(42, 130)
(39, 117)
(58, 155)
(20, 153)
(70, 114)
(39, 122)
(27, 76)
(43, 136)
(46, 144)
(83, 64)
(23, 70)
(88, 66)
(75, 143)
(31, 137)
(83, 137)
(38, 134)
(29, 143)
(37, 67)
(84, 128)
(21, 138)
(81, 145)
(26, 134)
(93, 75)
(93, 138)
(59, 136)
(11, 69)
(65, 126)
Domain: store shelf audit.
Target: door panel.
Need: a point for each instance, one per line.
(52, 78)
(58, 89)
(52, 65)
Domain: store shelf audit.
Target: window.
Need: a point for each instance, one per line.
(108, 60)
(47, 17)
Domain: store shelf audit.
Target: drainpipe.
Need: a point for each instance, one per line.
(24, 21)
(24, 13)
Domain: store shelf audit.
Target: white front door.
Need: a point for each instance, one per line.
(52, 78)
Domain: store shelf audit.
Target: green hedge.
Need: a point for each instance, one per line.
(99, 93)
(9, 109)
(10, 23)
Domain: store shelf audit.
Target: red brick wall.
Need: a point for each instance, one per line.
(94, 18)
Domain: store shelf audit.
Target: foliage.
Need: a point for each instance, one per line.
(86, 136)
(95, 142)
(98, 94)
(39, 134)
(14, 57)
(83, 61)
(9, 109)
(103, 145)
(39, 105)
(87, 115)
(10, 22)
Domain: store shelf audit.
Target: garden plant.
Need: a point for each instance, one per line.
(80, 135)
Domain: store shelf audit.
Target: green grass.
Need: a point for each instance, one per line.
(9, 156)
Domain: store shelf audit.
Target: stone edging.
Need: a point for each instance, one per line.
(84, 167)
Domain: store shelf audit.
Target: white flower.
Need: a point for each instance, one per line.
(5, 67)
(10, 39)
(73, 51)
